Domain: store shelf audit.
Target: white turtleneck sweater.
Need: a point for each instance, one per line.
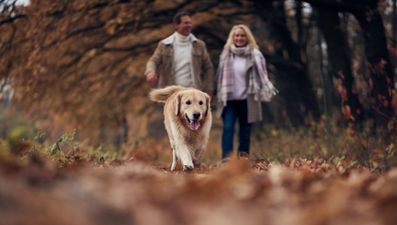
(182, 60)
(240, 74)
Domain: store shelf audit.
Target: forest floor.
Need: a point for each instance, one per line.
(240, 191)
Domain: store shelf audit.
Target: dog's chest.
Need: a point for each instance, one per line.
(194, 139)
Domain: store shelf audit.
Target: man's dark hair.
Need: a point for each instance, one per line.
(177, 17)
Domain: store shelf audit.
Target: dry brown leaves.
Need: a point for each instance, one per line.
(299, 191)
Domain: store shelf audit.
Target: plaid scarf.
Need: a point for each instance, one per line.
(258, 82)
(226, 77)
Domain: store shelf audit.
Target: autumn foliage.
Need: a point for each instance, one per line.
(79, 64)
(38, 191)
(80, 143)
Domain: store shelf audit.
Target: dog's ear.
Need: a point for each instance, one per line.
(207, 103)
(177, 104)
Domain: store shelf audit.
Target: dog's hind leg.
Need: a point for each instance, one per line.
(173, 165)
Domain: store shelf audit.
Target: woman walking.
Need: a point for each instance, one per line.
(242, 84)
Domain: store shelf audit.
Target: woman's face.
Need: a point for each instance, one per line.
(240, 38)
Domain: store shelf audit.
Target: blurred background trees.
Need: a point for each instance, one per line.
(79, 64)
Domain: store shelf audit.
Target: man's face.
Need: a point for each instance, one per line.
(185, 27)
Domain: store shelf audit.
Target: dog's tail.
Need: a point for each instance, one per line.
(161, 95)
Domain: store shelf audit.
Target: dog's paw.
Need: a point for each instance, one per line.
(187, 168)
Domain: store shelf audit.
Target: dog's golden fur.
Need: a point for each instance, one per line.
(187, 119)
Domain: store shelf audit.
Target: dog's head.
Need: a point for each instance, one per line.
(192, 106)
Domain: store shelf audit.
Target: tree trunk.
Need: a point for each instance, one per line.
(379, 64)
(297, 90)
(395, 26)
(329, 99)
(339, 56)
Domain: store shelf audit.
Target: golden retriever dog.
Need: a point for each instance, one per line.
(187, 119)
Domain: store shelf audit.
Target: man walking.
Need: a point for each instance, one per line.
(181, 59)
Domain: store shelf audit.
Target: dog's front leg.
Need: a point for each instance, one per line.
(186, 158)
(197, 157)
(173, 165)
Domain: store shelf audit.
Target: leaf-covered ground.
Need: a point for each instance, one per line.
(299, 191)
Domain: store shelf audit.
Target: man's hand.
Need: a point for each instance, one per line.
(151, 77)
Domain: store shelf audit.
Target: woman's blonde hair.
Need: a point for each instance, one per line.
(250, 37)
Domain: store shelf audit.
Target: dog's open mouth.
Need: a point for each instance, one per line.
(193, 124)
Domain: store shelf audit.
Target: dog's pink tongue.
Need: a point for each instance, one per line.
(195, 125)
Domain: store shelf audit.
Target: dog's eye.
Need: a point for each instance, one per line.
(201, 102)
(188, 102)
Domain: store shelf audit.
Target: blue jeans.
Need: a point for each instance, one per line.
(235, 109)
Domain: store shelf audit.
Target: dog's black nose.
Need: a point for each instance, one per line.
(196, 116)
